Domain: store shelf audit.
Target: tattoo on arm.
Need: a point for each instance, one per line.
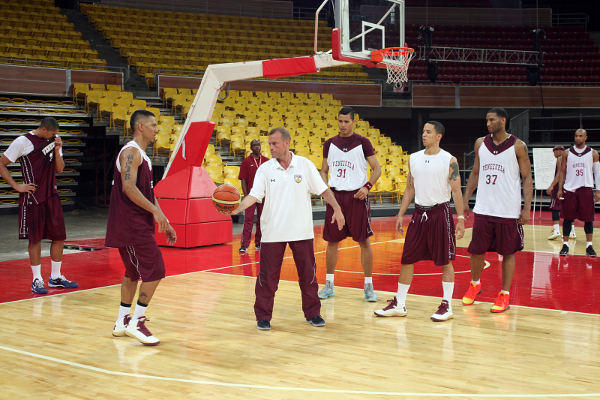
(128, 166)
(454, 173)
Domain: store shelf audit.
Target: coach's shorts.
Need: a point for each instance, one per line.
(502, 235)
(554, 200)
(430, 236)
(143, 261)
(578, 205)
(357, 214)
(41, 221)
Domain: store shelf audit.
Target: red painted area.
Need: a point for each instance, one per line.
(541, 280)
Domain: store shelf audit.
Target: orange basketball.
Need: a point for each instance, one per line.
(226, 198)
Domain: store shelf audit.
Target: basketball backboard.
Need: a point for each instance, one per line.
(355, 36)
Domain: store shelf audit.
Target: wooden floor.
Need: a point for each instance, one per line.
(211, 349)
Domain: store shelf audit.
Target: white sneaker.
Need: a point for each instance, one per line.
(443, 312)
(554, 235)
(392, 310)
(572, 235)
(137, 329)
(121, 326)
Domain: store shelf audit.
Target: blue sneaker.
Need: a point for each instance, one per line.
(37, 286)
(62, 282)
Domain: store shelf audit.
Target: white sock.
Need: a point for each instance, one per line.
(588, 244)
(368, 279)
(55, 269)
(329, 278)
(556, 228)
(123, 311)
(401, 294)
(37, 272)
(477, 282)
(448, 288)
(505, 291)
(139, 311)
(566, 244)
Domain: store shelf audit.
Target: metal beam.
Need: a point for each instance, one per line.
(488, 56)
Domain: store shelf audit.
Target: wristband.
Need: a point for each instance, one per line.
(368, 185)
(461, 217)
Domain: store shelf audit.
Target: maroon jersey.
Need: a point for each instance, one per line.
(129, 224)
(39, 167)
(248, 169)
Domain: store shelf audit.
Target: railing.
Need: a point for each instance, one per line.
(571, 19)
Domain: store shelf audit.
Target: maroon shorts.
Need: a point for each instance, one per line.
(41, 221)
(554, 200)
(430, 236)
(143, 261)
(502, 235)
(578, 205)
(357, 214)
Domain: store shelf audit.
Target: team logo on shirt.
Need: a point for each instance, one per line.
(298, 178)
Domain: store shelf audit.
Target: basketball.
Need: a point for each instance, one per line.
(226, 198)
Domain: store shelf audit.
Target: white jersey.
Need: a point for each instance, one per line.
(580, 172)
(499, 185)
(430, 177)
(347, 161)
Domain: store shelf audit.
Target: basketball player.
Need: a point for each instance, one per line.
(432, 177)
(130, 228)
(247, 172)
(554, 200)
(346, 156)
(499, 159)
(580, 167)
(285, 183)
(40, 214)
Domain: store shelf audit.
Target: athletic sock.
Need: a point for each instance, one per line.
(556, 229)
(55, 273)
(368, 279)
(505, 291)
(329, 278)
(401, 294)
(37, 272)
(448, 288)
(588, 244)
(140, 310)
(566, 244)
(124, 309)
(477, 282)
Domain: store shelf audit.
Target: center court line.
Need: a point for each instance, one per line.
(290, 388)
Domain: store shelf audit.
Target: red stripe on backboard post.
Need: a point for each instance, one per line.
(288, 67)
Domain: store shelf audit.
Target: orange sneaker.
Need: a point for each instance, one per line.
(472, 292)
(501, 303)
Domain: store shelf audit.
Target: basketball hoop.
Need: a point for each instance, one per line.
(396, 60)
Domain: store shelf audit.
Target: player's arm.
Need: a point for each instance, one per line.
(563, 173)
(59, 165)
(363, 192)
(324, 171)
(338, 215)
(596, 168)
(409, 195)
(169, 232)
(244, 187)
(454, 179)
(5, 174)
(525, 168)
(473, 178)
(130, 160)
(556, 176)
(246, 202)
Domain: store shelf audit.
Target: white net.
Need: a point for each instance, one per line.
(397, 62)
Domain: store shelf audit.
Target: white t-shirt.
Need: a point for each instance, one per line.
(287, 210)
(21, 146)
(430, 176)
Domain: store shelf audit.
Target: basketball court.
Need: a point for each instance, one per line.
(546, 346)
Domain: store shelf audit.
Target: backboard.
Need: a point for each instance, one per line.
(355, 36)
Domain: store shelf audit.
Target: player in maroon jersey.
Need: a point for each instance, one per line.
(40, 213)
(130, 228)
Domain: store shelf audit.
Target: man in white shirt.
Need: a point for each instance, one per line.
(285, 183)
(433, 177)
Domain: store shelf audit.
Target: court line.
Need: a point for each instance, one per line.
(288, 388)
